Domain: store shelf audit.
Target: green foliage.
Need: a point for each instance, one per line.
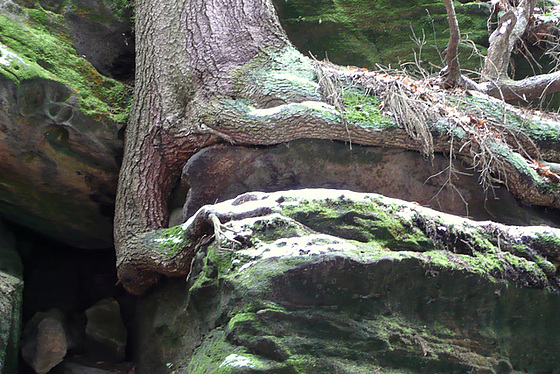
(170, 241)
(124, 9)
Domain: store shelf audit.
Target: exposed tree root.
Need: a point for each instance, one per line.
(446, 233)
(240, 80)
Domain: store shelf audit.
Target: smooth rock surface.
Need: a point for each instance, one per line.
(222, 172)
(45, 343)
(59, 134)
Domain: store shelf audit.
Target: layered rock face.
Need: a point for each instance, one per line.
(222, 172)
(336, 281)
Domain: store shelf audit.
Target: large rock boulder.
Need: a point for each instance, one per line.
(366, 33)
(105, 332)
(59, 139)
(11, 290)
(336, 281)
(224, 171)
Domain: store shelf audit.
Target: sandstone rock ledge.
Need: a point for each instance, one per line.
(335, 281)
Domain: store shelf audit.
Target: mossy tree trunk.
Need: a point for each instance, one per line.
(225, 71)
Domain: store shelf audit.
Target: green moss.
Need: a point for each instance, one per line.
(269, 229)
(44, 50)
(363, 110)
(517, 161)
(440, 259)
(211, 356)
(242, 318)
(550, 240)
(362, 221)
(546, 133)
(288, 74)
(221, 259)
(169, 241)
(366, 33)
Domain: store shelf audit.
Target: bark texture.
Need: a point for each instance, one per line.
(511, 26)
(223, 70)
(452, 72)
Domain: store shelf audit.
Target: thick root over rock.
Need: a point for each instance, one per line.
(524, 256)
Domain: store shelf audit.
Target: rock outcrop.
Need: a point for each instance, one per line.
(224, 171)
(336, 281)
(105, 332)
(45, 341)
(59, 138)
(365, 33)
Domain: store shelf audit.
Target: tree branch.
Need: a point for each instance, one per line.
(452, 73)
(511, 27)
(525, 89)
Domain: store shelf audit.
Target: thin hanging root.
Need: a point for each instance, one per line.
(413, 114)
(331, 93)
(220, 231)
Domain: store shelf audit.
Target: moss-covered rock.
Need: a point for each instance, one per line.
(61, 120)
(366, 33)
(335, 281)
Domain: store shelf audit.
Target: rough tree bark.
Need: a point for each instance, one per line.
(224, 70)
(511, 26)
(452, 72)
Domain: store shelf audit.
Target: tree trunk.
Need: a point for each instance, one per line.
(511, 26)
(224, 70)
(452, 72)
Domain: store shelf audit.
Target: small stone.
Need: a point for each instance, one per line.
(105, 332)
(44, 342)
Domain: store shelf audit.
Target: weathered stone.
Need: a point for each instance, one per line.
(11, 289)
(366, 33)
(99, 30)
(44, 341)
(336, 281)
(105, 332)
(59, 138)
(222, 172)
(58, 167)
(102, 37)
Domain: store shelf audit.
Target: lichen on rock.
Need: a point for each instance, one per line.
(11, 295)
(366, 33)
(331, 280)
